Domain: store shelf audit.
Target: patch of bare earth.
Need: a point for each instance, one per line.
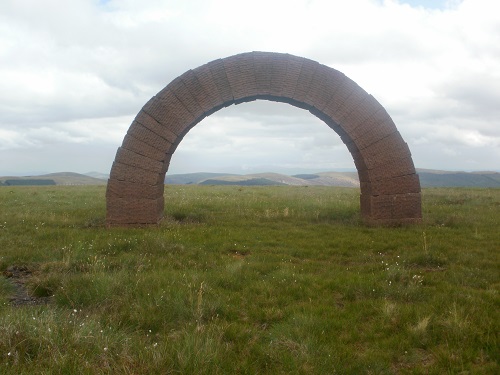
(18, 276)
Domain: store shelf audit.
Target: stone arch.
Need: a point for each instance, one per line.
(390, 187)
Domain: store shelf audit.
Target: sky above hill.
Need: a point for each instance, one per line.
(73, 75)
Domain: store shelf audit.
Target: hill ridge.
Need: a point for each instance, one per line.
(428, 178)
(58, 178)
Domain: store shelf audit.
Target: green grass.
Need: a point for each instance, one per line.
(251, 280)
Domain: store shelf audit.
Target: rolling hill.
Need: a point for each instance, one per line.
(61, 178)
(432, 178)
(428, 178)
(346, 179)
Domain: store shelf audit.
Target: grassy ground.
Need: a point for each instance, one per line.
(253, 280)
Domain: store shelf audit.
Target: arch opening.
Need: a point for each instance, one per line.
(260, 137)
(390, 188)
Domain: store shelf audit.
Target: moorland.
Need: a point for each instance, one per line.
(248, 280)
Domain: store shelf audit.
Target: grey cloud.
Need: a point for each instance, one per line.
(82, 72)
(476, 95)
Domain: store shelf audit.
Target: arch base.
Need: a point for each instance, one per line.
(380, 210)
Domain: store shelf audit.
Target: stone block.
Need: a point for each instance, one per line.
(171, 113)
(364, 112)
(388, 149)
(263, 70)
(140, 132)
(126, 189)
(390, 169)
(153, 125)
(381, 207)
(358, 95)
(407, 206)
(209, 94)
(307, 71)
(181, 92)
(140, 147)
(134, 159)
(397, 185)
(125, 172)
(323, 85)
(344, 90)
(278, 63)
(123, 211)
(221, 81)
(293, 67)
(392, 208)
(366, 136)
(241, 76)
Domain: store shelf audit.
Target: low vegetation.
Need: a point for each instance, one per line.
(250, 280)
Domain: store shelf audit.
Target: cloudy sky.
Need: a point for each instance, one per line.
(73, 74)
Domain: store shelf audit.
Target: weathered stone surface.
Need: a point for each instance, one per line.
(304, 80)
(391, 169)
(219, 77)
(390, 188)
(396, 185)
(142, 148)
(277, 78)
(292, 72)
(133, 211)
(240, 73)
(126, 189)
(263, 70)
(393, 208)
(143, 134)
(169, 111)
(208, 93)
(325, 82)
(125, 172)
(137, 160)
(181, 92)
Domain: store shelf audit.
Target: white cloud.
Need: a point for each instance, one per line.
(451, 136)
(10, 139)
(75, 73)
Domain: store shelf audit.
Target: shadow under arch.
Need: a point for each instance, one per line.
(390, 187)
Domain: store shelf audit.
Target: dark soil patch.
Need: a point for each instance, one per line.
(18, 277)
(239, 254)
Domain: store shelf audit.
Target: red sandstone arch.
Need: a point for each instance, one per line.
(390, 188)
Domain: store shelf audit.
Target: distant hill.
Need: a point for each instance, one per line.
(191, 178)
(428, 178)
(102, 176)
(27, 182)
(62, 178)
(249, 182)
(432, 178)
(346, 179)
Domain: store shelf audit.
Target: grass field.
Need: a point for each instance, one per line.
(253, 280)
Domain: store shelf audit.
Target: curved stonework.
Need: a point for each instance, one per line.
(390, 188)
